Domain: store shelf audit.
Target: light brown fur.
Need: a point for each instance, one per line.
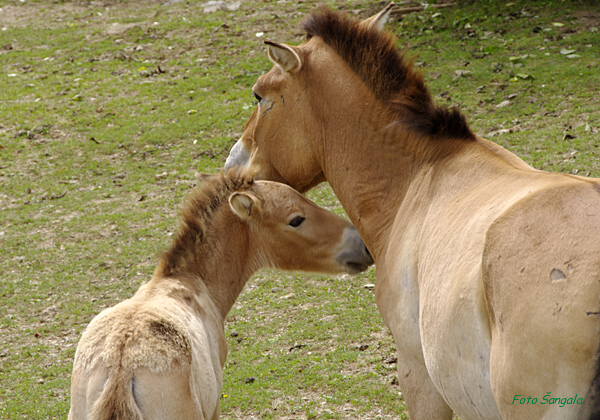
(160, 354)
(488, 271)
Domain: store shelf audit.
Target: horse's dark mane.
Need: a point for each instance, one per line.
(197, 217)
(390, 76)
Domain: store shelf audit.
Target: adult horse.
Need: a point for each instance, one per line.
(488, 271)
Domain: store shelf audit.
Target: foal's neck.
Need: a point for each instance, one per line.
(221, 259)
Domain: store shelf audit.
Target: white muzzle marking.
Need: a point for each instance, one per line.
(238, 156)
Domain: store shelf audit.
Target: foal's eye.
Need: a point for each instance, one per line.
(296, 221)
(258, 98)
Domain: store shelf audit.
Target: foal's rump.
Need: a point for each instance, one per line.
(146, 358)
(541, 274)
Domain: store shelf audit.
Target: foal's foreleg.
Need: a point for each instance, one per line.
(423, 400)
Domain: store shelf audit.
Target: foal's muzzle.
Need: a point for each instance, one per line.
(354, 256)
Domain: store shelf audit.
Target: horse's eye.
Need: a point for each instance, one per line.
(258, 98)
(296, 221)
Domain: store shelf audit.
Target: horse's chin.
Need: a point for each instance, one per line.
(355, 268)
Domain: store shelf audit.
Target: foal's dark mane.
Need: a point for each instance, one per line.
(375, 59)
(197, 217)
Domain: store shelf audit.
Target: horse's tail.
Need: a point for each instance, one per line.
(116, 401)
(591, 403)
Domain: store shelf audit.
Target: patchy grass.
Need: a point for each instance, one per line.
(109, 108)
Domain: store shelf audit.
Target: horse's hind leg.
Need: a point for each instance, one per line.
(542, 282)
(86, 389)
(527, 389)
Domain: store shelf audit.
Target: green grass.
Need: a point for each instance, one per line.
(106, 116)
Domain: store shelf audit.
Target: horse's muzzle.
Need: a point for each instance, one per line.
(355, 257)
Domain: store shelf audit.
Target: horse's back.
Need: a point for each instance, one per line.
(151, 346)
(541, 276)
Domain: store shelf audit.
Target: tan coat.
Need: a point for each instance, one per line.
(160, 354)
(488, 271)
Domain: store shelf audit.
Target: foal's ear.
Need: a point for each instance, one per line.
(378, 21)
(244, 204)
(284, 56)
(205, 177)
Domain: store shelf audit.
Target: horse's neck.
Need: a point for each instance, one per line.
(365, 182)
(378, 170)
(219, 266)
(373, 174)
(229, 262)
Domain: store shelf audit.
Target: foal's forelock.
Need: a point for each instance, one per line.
(373, 56)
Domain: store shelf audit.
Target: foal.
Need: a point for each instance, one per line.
(160, 354)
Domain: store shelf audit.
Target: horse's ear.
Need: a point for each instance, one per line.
(284, 56)
(378, 21)
(205, 177)
(244, 204)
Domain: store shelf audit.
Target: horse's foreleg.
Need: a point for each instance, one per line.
(423, 400)
(217, 414)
